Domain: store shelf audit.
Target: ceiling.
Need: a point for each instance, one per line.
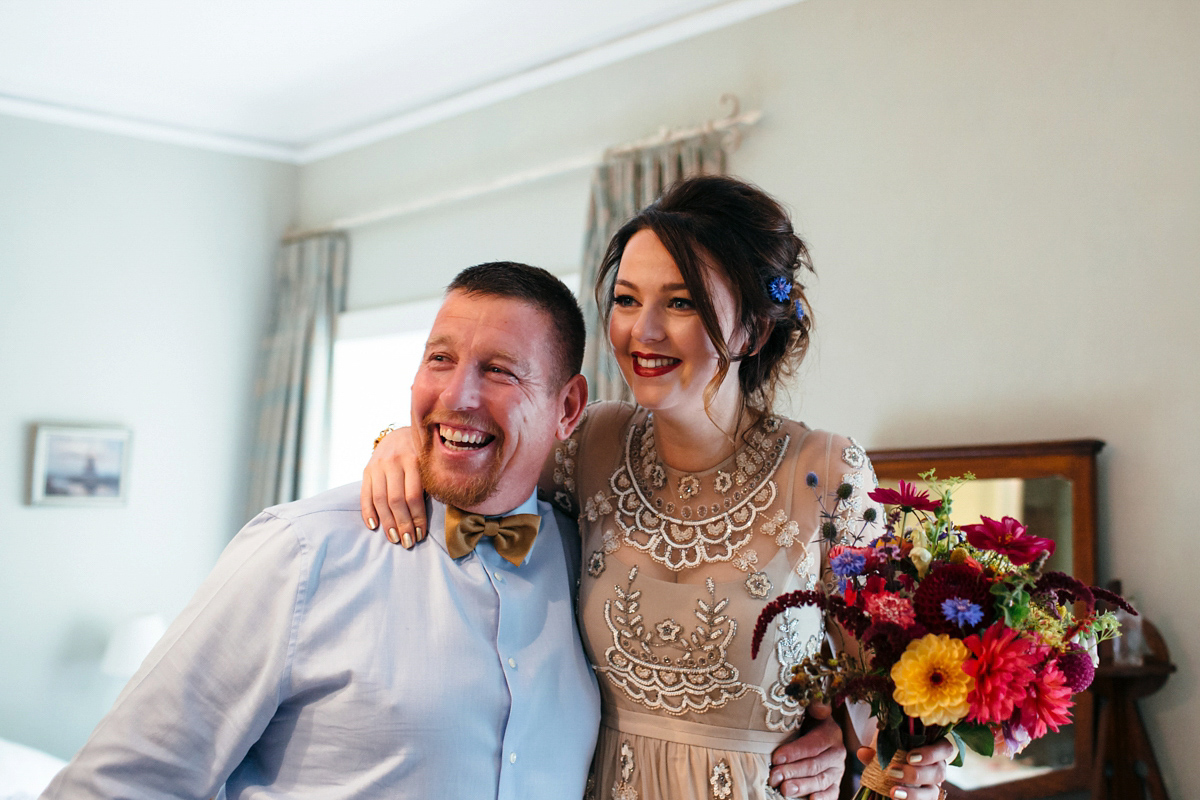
(297, 80)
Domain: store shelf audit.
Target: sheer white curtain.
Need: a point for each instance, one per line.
(625, 183)
(290, 452)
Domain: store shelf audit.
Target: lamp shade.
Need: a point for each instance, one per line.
(129, 645)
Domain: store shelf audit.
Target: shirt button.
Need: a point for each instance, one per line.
(512, 662)
(512, 758)
(499, 578)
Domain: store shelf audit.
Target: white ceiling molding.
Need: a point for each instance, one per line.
(562, 69)
(643, 41)
(149, 131)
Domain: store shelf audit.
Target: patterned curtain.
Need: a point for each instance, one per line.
(626, 182)
(290, 450)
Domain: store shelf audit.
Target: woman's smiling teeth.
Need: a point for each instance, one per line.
(654, 363)
(458, 439)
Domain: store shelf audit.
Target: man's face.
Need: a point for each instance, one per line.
(484, 403)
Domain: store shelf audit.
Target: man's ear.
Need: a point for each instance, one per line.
(572, 402)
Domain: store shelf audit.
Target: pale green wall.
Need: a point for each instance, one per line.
(133, 281)
(1002, 198)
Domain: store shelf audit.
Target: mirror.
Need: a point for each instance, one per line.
(1051, 487)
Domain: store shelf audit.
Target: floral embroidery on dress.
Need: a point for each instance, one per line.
(622, 790)
(758, 585)
(723, 482)
(746, 561)
(596, 564)
(610, 542)
(689, 486)
(854, 455)
(785, 531)
(721, 781)
(596, 506)
(668, 630)
(564, 469)
(718, 531)
(804, 569)
(783, 712)
(663, 667)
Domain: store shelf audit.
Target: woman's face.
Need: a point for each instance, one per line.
(660, 342)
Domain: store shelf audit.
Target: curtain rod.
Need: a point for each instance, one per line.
(554, 169)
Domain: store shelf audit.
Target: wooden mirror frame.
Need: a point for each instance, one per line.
(1074, 460)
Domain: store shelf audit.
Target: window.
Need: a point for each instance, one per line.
(375, 358)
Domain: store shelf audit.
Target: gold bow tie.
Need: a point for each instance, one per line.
(512, 536)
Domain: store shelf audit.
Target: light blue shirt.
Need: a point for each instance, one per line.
(319, 660)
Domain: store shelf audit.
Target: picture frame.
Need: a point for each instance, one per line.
(80, 465)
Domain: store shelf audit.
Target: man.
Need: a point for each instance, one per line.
(318, 661)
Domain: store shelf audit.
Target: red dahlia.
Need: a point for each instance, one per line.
(946, 582)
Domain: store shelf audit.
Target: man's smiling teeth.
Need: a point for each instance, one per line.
(457, 439)
(654, 363)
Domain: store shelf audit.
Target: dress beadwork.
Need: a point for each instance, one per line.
(677, 568)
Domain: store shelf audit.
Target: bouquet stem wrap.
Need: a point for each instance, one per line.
(877, 784)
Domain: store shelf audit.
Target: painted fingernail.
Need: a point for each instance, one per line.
(371, 523)
(899, 794)
(408, 540)
(393, 537)
(898, 774)
(420, 535)
(915, 758)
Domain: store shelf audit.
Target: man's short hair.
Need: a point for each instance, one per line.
(543, 291)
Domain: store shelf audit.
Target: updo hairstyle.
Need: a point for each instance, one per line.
(745, 235)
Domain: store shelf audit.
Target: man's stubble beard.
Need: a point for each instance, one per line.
(465, 493)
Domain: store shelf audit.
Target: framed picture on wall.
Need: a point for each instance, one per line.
(80, 465)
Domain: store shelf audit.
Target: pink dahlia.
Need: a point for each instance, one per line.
(908, 498)
(1002, 665)
(890, 608)
(1047, 702)
(1008, 537)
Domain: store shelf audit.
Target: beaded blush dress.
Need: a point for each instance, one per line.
(677, 567)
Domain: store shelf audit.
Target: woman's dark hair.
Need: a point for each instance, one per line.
(745, 235)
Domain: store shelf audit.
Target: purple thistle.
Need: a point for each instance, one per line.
(811, 480)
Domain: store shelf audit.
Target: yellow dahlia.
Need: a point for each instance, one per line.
(930, 682)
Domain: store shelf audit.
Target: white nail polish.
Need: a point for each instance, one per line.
(898, 774)
(916, 758)
(899, 794)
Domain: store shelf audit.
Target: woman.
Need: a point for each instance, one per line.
(697, 506)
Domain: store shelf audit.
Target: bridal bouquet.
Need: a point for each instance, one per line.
(959, 630)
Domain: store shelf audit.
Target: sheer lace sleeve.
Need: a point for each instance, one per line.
(580, 457)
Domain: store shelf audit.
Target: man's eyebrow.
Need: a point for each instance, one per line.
(437, 341)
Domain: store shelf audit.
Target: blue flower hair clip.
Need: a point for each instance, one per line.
(799, 310)
(781, 289)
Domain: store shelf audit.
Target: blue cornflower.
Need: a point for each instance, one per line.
(848, 563)
(811, 480)
(781, 289)
(799, 310)
(961, 612)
